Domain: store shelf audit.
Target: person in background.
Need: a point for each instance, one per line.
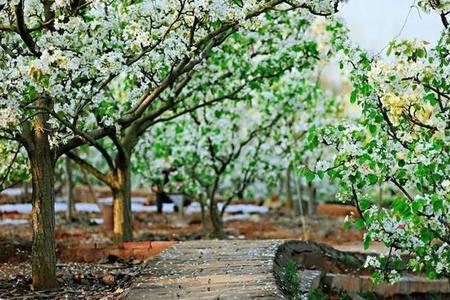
(158, 188)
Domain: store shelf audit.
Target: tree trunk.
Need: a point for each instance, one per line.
(312, 199)
(216, 220)
(280, 187)
(298, 205)
(214, 214)
(299, 185)
(290, 200)
(70, 213)
(205, 221)
(43, 258)
(122, 201)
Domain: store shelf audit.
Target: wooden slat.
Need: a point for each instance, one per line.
(210, 270)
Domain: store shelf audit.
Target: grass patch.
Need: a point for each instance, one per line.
(290, 279)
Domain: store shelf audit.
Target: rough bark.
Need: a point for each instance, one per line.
(43, 219)
(41, 157)
(122, 201)
(119, 180)
(216, 220)
(70, 213)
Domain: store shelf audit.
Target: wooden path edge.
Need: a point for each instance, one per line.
(223, 269)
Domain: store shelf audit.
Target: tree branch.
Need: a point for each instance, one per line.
(89, 168)
(23, 30)
(8, 170)
(208, 42)
(79, 140)
(356, 201)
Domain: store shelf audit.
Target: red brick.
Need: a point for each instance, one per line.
(116, 252)
(95, 252)
(137, 245)
(163, 245)
(336, 210)
(140, 253)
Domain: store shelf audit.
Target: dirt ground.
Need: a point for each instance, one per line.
(109, 278)
(15, 240)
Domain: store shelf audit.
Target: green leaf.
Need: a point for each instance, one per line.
(431, 274)
(377, 277)
(364, 204)
(431, 98)
(321, 174)
(373, 179)
(373, 129)
(438, 144)
(346, 225)
(417, 205)
(366, 90)
(359, 224)
(438, 204)
(379, 118)
(389, 50)
(367, 241)
(421, 53)
(353, 96)
(426, 235)
(310, 176)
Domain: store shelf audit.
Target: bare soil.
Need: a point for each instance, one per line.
(105, 280)
(110, 278)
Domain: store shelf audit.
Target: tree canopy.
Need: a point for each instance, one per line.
(228, 95)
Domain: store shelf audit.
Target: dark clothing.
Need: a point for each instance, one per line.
(161, 198)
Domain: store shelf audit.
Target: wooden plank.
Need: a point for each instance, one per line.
(211, 270)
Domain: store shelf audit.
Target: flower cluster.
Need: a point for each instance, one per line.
(78, 53)
(266, 81)
(400, 147)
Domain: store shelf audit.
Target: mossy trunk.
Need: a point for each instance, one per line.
(43, 257)
(123, 231)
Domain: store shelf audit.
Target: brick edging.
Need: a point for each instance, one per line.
(92, 252)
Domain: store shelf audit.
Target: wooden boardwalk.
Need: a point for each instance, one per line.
(211, 270)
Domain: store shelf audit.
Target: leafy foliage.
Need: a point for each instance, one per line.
(401, 142)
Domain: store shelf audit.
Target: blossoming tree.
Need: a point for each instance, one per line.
(221, 151)
(13, 169)
(228, 150)
(401, 141)
(60, 60)
(246, 62)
